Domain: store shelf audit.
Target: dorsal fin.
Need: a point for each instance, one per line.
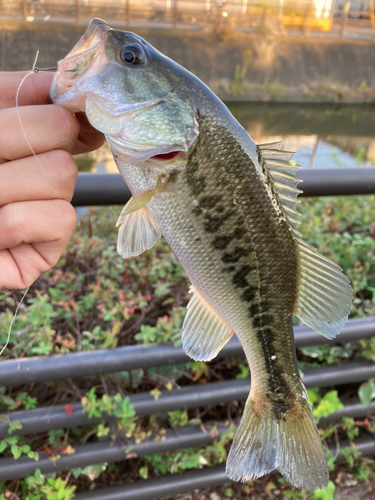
(282, 172)
(324, 295)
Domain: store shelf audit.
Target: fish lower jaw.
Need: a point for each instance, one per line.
(67, 94)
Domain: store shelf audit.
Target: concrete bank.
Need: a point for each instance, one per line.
(240, 67)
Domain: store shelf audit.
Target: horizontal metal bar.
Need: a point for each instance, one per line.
(194, 396)
(161, 487)
(110, 189)
(336, 181)
(28, 370)
(352, 409)
(93, 453)
(100, 189)
(106, 451)
(188, 481)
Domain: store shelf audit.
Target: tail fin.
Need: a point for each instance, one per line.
(291, 445)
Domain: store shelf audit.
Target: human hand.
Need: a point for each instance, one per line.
(36, 217)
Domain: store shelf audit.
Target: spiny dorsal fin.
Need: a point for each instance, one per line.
(204, 334)
(324, 294)
(270, 145)
(138, 232)
(282, 172)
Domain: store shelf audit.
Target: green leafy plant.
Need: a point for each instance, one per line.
(91, 471)
(350, 454)
(326, 493)
(17, 448)
(324, 406)
(238, 85)
(39, 487)
(116, 406)
(349, 426)
(366, 392)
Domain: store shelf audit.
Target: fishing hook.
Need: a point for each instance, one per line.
(36, 70)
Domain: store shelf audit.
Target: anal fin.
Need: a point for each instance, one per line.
(138, 232)
(204, 333)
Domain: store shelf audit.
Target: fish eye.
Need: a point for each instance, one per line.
(132, 54)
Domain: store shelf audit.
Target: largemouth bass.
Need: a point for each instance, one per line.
(227, 208)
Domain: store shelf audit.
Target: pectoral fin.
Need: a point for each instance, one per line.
(141, 199)
(203, 332)
(138, 232)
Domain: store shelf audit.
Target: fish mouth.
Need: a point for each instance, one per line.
(94, 23)
(167, 156)
(137, 153)
(66, 88)
(66, 93)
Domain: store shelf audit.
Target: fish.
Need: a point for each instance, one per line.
(227, 208)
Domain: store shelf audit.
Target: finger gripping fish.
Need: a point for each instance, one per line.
(227, 208)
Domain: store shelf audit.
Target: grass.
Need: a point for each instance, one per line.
(93, 299)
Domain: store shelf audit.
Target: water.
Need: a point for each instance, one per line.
(323, 135)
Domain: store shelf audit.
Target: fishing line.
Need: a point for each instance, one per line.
(33, 70)
(18, 110)
(13, 319)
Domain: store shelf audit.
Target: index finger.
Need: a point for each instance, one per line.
(34, 89)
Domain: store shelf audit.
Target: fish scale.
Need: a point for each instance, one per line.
(229, 175)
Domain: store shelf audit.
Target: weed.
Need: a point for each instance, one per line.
(368, 347)
(39, 487)
(366, 392)
(167, 329)
(178, 418)
(116, 406)
(326, 493)
(270, 89)
(363, 87)
(365, 471)
(91, 471)
(17, 448)
(332, 91)
(324, 406)
(350, 454)
(238, 85)
(349, 426)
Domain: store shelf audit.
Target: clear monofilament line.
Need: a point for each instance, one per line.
(13, 319)
(18, 110)
(32, 150)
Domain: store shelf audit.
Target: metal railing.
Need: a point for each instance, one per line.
(241, 15)
(110, 189)
(18, 371)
